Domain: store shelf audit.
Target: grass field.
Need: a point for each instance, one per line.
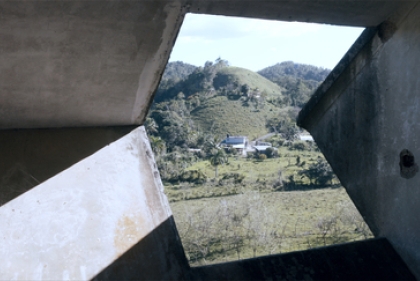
(215, 230)
(222, 221)
(259, 176)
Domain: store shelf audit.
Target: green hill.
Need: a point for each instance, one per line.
(177, 70)
(217, 99)
(220, 116)
(241, 76)
(291, 70)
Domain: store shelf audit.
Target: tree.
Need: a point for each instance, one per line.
(217, 159)
(151, 127)
(320, 171)
(158, 145)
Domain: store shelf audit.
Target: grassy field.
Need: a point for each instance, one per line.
(252, 224)
(259, 176)
(221, 220)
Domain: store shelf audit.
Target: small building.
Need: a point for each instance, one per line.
(261, 146)
(240, 143)
(305, 137)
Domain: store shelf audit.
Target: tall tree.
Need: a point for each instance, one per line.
(217, 159)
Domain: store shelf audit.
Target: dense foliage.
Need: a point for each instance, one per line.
(299, 80)
(195, 107)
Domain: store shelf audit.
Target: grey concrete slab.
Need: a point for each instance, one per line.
(373, 259)
(368, 13)
(31, 156)
(82, 63)
(74, 225)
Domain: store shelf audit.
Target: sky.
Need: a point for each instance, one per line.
(255, 44)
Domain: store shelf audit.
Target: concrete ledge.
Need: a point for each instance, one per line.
(74, 225)
(373, 259)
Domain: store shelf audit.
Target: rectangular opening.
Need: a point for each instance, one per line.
(242, 179)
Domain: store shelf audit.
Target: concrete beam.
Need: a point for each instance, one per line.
(98, 63)
(82, 63)
(76, 224)
(372, 259)
(366, 13)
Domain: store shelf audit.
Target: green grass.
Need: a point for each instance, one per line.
(258, 175)
(221, 116)
(222, 229)
(253, 79)
(221, 222)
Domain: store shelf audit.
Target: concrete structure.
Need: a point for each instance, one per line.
(365, 117)
(77, 78)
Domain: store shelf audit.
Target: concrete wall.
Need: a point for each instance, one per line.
(72, 64)
(106, 209)
(82, 63)
(364, 118)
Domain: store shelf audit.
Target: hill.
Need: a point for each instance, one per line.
(239, 107)
(298, 80)
(217, 99)
(289, 69)
(241, 76)
(177, 70)
(220, 116)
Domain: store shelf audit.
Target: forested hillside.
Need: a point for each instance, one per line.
(299, 80)
(196, 107)
(216, 99)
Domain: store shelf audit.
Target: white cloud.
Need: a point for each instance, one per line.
(206, 27)
(254, 43)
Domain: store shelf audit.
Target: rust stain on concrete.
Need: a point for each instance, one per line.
(130, 229)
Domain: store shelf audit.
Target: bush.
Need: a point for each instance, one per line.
(271, 152)
(299, 145)
(262, 157)
(237, 178)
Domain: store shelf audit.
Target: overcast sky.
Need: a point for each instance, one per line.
(256, 44)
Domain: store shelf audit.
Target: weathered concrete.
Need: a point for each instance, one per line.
(344, 12)
(373, 259)
(31, 156)
(97, 63)
(364, 119)
(82, 63)
(77, 223)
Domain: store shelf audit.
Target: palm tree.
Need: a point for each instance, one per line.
(151, 126)
(157, 144)
(217, 159)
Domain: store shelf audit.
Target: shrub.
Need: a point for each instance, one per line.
(299, 145)
(271, 152)
(262, 157)
(237, 178)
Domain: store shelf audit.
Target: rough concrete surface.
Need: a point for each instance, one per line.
(372, 118)
(373, 259)
(77, 223)
(31, 156)
(98, 63)
(80, 64)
